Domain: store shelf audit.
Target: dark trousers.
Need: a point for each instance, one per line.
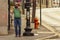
(17, 25)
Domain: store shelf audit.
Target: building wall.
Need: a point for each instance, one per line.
(46, 3)
(3, 17)
(50, 3)
(3, 12)
(43, 3)
(55, 3)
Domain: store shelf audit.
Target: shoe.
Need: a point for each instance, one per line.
(19, 35)
(16, 36)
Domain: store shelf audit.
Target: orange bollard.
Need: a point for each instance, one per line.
(36, 23)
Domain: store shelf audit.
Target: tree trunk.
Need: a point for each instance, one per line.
(33, 10)
(59, 3)
(23, 7)
(46, 3)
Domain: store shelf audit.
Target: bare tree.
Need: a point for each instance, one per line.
(23, 7)
(59, 3)
(46, 3)
(33, 10)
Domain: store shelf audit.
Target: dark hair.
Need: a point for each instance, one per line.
(16, 6)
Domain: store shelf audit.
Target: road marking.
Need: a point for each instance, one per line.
(37, 39)
(36, 34)
(43, 38)
(46, 32)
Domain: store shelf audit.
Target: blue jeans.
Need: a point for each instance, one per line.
(17, 25)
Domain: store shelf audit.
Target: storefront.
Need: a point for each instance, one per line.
(49, 3)
(55, 3)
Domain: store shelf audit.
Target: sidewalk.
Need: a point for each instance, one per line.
(37, 35)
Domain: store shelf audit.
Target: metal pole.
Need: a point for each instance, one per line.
(8, 15)
(40, 14)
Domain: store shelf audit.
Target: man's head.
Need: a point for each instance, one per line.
(16, 5)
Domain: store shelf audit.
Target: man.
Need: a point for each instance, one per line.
(17, 20)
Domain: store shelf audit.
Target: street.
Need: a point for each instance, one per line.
(43, 32)
(37, 35)
(51, 16)
(47, 19)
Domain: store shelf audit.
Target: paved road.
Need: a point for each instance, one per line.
(51, 17)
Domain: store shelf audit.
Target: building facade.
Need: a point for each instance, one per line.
(55, 3)
(46, 3)
(3, 17)
(50, 3)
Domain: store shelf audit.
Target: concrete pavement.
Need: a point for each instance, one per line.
(42, 32)
(37, 35)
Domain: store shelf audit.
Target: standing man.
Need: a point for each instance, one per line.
(17, 20)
